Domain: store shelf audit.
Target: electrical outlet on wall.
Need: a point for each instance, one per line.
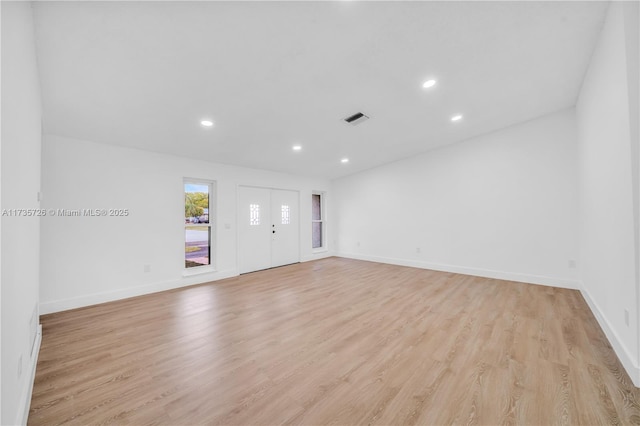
(147, 268)
(418, 250)
(572, 263)
(626, 317)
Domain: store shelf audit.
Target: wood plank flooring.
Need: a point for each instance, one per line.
(334, 342)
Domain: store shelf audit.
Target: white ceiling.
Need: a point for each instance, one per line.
(273, 74)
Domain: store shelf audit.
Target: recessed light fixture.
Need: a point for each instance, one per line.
(207, 123)
(344, 160)
(297, 147)
(429, 83)
(456, 117)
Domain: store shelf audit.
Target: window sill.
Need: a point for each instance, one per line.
(198, 270)
(319, 250)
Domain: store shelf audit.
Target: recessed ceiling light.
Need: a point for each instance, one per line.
(429, 83)
(207, 123)
(344, 160)
(456, 117)
(297, 147)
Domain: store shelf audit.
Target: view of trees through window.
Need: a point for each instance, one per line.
(197, 246)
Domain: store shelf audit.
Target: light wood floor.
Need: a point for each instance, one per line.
(334, 341)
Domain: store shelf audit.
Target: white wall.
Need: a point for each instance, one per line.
(0, 219)
(21, 142)
(607, 166)
(631, 12)
(501, 205)
(87, 260)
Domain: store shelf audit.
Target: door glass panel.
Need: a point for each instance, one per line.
(286, 215)
(254, 214)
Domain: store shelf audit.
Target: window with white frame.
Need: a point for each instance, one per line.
(317, 221)
(199, 215)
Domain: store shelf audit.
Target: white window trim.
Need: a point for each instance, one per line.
(198, 270)
(323, 220)
(213, 203)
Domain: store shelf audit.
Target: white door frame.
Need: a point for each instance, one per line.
(238, 186)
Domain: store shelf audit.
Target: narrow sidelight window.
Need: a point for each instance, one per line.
(198, 218)
(317, 221)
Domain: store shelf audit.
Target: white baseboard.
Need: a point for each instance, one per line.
(109, 296)
(316, 256)
(487, 273)
(24, 403)
(124, 293)
(620, 349)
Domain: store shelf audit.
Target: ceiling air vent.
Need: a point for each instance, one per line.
(356, 118)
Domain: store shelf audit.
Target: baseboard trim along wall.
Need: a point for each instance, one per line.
(95, 299)
(620, 349)
(24, 403)
(316, 256)
(124, 293)
(487, 273)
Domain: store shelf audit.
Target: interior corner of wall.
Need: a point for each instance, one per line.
(629, 361)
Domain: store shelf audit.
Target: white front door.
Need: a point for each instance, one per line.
(285, 243)
(254, 229)
(268, 232)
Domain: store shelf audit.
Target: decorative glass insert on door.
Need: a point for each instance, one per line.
(254, 214)
(286, 215)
